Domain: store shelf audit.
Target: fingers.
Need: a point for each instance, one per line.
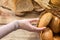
(40, 29)
(32, 20)
(27, 26)
(35, 29)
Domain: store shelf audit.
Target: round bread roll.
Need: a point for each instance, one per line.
(47, 34)
(54, 25)
(55, 2)
(56, 37)
(43, 22)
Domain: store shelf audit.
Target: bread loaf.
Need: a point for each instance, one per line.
(54, 25)
(44, 20)
(47, 34)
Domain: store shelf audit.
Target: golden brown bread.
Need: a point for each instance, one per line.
(56, 37)
(44, 20)
(55, 2)
(54, 25)
(47, 34)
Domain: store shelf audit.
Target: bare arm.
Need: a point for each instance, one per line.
(19, 24)
(6, 29)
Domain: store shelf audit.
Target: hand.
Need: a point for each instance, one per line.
(26, 25)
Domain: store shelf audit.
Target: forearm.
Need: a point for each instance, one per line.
(4, 30)
(19, 24)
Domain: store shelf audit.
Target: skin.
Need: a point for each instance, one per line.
(19, 24)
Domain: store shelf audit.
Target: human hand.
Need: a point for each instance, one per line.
(26, 25)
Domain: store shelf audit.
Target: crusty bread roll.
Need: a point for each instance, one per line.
(47, 34)
(54, 25)
(44, 20)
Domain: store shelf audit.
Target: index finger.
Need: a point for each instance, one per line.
(33, 20)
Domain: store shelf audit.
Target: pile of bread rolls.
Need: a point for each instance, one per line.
(52, 24)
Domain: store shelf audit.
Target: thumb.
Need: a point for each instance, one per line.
(38, 29)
